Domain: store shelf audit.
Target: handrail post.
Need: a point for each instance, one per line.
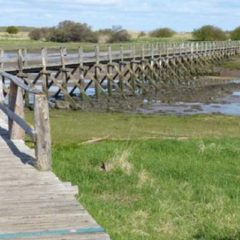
(2, 115)
(16, 105)
(43, 136)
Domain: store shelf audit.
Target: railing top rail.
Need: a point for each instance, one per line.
(19, 82)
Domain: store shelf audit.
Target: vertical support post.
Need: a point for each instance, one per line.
(122, 54)
(25, 53)
(133, 49)
(121, 68)
(1, 59)
(17, 106)
(109, 69)
(2, 115)
(97, 72)
(20, 62)
(44, 71)
(63, 53)
(43, 136)
(81, 74)
(143, 68)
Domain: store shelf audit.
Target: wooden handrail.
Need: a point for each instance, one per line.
(18, 127)
(19, 82)
(20, 121)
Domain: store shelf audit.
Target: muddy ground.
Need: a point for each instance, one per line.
(206, 90)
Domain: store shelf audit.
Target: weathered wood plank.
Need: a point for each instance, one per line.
(34, 203)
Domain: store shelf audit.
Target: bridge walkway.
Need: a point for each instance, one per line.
(35, 204)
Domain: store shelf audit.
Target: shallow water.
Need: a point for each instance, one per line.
(229, 105)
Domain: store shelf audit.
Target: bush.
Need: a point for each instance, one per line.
(120, 36)
(235, 34)
(67, 31)
(142, 34)
(162, 33)
(104, 35)
(12, 30)
(209, 33)
(38, 33)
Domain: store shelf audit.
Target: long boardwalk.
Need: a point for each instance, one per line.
(114, 76)
(37, 205)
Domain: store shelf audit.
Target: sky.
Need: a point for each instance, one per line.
(141, 15)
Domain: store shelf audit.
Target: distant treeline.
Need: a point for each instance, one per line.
(69, 31)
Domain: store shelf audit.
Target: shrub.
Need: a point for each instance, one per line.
(66, 31)
(38, 33)
(142, 34)
(162, 33)
(12, 30)
(104, 35)
(120, 36)
(235, 34)
(209, 33)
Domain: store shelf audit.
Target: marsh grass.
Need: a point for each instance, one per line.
(172, 189)
(76, 126)
(153, 177)
(156, 177)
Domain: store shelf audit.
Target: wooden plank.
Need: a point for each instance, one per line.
(34, 203)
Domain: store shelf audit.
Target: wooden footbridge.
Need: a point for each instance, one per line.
(114, 74)
(34, 203)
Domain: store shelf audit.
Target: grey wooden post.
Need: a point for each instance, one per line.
(109, 69)
(97, 72)
(43, 136)
(2, 59)
(16, 105)
(44, 71)
(2, 115)
(81, 74)
(1, 79)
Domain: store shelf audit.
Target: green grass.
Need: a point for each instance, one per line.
(70, 127)
(164, 177)
(156, 189)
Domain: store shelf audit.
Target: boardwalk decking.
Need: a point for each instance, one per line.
(37, 205)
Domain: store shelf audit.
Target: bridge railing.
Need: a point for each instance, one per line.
(12, 60)
(13, 107)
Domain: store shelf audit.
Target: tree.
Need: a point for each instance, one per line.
(209, 33)
(120, 36)
(67, 31)
(235, 34)
(162, 33)
(12, 30)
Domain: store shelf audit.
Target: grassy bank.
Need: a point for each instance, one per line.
(154, 177)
